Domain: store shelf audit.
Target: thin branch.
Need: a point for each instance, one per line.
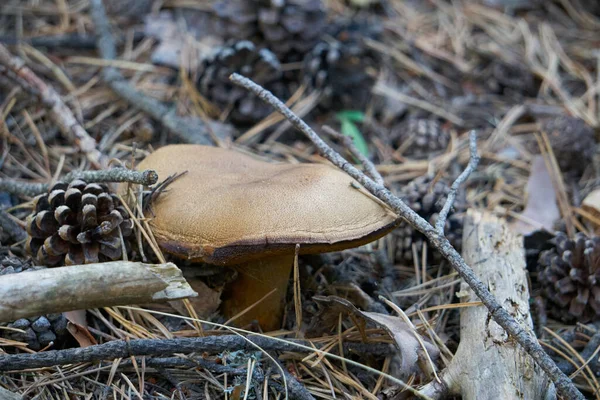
(147, 177)
(191, 130)
(349, 143)
(60, 113)
(529, 343)
(473, 161)
(151, 347)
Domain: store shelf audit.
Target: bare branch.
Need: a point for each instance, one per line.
(52, 290)
(473, 161)
(529, 343)
(153, 347)
(60, 113)
(147, 177)
(349, 143)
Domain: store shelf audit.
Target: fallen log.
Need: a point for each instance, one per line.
(488, 363)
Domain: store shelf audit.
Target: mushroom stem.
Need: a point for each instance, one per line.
(256, 279)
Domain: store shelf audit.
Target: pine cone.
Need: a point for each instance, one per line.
(427, 198)
(340, 68)
(291, 26)
(37, 332)
(236, 19)
(77, 223)
(244, 58)
(570, 278)
(426, 136)
(573, 142)
(287, 27)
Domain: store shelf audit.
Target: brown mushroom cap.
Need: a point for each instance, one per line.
(230, 208)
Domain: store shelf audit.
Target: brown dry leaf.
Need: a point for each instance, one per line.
(77, 326)
(541, 210)
(405, 341)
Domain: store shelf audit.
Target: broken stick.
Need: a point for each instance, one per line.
(488, 363)
(79, 287)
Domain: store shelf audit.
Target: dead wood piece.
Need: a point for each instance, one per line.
(488, 363)
(79, 287)
(8, 395)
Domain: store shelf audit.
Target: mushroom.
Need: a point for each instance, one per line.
(231, 209)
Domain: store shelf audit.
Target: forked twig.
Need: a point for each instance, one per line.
(473, 161)
(563, 384)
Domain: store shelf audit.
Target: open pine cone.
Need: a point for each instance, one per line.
(427, 198)
(570, 278)
(340, 67)
(427, 136)
(244, 58)
(77, 223)
(287, 27)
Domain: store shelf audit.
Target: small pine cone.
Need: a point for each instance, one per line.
(291, 27)
(573, 142)
(340, 68)
(570, 278)
(244, 58)
(236, 19)
(77, 223)
(426, 135)
(37, 332)
(427, 198)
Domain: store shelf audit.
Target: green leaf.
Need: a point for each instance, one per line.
(351, 115)
(350, 129)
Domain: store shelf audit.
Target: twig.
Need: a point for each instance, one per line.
(146, 347)
(53, 290)
(147, 177)
(473, 161)
(64, 41)
(11, 228)
(349, 143)
(189, 130)
(60, 113)
(529, 343)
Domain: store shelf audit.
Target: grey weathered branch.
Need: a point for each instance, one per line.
(438, 241)
(473, 161)
(147, 178)
(189, 130)
(154, 347)
(370, 168)
(52, 290)
(486, 353)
